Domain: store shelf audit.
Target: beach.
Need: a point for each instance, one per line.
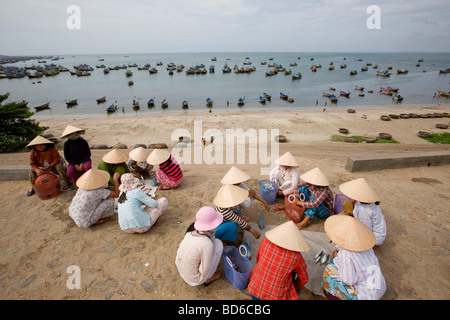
(40, 241)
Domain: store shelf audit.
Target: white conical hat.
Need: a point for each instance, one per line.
(38, 140)
(235, 175)
(139, 154)
(287, 159)
(359, 190)
(114, 156)
(70, 129)
(288, 237)
(230, 196)
(158, 156)
(349, 233)
(93, 179)
(316, 177)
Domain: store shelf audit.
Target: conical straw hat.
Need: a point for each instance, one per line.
(38, 140)
(158, 156)
(139, 154)
(93, 179)
(316, 177)
(349, 233)
(287, 159)
(114, 156)
(235, 175)
(359, 190)
(230, 196)
(288, 237)
(70, 129)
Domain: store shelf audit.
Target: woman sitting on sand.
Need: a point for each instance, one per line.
(169, 174)
(132, 217)
(200, 252)
(318, 198)
(137, 163)
(225, 203)
(93, 203)
(287, 174)
(354, 273)
(366, 208)
(280, 267)
(76, 152)
(237, 177)
(114, 162)
(44, 157)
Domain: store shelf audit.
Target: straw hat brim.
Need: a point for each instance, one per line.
(114, 157)
(359, 190)
(158, 156)
(93, 179)
(349, 233)
(287, 159)
(38, 140)
(234, 176)
(139, 154)
(288, 237)
(70, 129)
(230, 196)
(316, 177)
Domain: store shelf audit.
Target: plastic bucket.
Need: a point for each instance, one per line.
(339, 201)
(46, 186)
(268, 190)
(232, 257)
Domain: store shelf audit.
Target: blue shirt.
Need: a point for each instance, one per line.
(131, 213)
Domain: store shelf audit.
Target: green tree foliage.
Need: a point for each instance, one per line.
(16, 130)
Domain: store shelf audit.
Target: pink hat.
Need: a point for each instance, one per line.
(128, 182)
(207, 219)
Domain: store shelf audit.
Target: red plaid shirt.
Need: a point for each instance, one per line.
(272, 278)
(323, 194)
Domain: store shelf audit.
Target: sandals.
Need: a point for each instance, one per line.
(103, 220)
(164, 188)
(30, 193)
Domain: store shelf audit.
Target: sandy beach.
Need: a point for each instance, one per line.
(39, 241)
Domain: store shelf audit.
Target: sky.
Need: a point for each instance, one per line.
(47, 27)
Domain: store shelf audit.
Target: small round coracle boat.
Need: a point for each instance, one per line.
(351, 110)
(424, 134)
(404, 116)
(385, 136)
(442, 126)
(393, 116)
(352, 140)
(370, 139)
(343, 130)
(280, 139)
(385, 118)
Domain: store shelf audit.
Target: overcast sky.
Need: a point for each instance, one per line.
(39, 27)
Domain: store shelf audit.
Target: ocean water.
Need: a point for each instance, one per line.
(417, 87)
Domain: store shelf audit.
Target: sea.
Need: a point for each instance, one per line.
(418, 87)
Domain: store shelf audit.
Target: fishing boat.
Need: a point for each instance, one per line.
(83, 74)
(326, 94)
(293, 64)
(283, 96)
(314, 68)
(443, 94)
(385, 91)
(35, 75)
(184, 104)
(164, 103)
(267, 96)
(445, 70)
(102, 99)
(396, 97)
(353, 72)
(209, 102)
(135, 105)
(420, 60)
(226, 69)
(159, 63)
(43, 107)
(153, 70)
(389, 67)
(130, 83)
(344, 93)
(296, 76)
(128, 73)
(111, 108)
(384, 73)
(262, 100)
(331, 67)
(106, 70)
(392, 89)
(333, 98)
(150, 103)
(402, 71)
(270, 73)
(332, 88)
(72, 103)
(288, 72)
(290, 99)
(359, 88)
(364, 69)
(241, 101)
(343, 66)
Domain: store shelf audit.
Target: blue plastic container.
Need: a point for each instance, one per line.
(239, 279)
(268, 190)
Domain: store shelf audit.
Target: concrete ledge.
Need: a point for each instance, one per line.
(14, 173)
(396, 161)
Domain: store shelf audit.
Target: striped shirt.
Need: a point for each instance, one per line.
(172, 168)
(231, 214)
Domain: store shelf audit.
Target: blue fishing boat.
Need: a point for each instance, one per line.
(151, 103)
(267, 96)
(241, 101)
(397, 97)
(112, 108)
(184, 104)
(135, 105)
(384, 73)
(296, 76)
(283, 96)
(333, 98)
(326, 94)
(262, 100)
(164, 103)
(209, 102)
(344, 93)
